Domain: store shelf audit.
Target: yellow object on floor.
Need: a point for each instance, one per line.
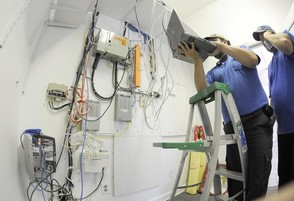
(196, 171)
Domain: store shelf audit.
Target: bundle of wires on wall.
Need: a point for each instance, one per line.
(152, 110)
(89, 42)
(78, 109)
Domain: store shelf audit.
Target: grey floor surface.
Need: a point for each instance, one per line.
(187, 197)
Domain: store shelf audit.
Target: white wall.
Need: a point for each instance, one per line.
(290, 19)
(19, 32)
(238, 19)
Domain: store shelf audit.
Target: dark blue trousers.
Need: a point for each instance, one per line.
(286, 158)
(259, 133)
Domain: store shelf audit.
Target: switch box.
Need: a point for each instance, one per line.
(111, 46)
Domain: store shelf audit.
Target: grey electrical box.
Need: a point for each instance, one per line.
(111, 46)
(93, 124)
(123, 108)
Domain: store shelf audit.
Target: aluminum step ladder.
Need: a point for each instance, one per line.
(215, 92)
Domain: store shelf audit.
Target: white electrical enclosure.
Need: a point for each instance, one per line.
(111, 46)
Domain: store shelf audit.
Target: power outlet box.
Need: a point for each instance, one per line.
(105, 188)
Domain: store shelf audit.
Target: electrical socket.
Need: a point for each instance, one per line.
(105, 188)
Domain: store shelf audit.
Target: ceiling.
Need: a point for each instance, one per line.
(185, 8)
(71, 13)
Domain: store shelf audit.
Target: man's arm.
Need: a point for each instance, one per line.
(199, 74)
(281, 41)
(246, 57)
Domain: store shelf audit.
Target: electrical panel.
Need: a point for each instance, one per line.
(111, 46)
(123, 108)
(40, 155)
(92, 123)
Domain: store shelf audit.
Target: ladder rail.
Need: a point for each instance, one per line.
(184, 153)
(240, 134)
(213, 163)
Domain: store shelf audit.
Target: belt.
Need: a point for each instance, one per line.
(252, 115)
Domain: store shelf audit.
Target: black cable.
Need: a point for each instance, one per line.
(125, 28)
(28, 187)
(70, 161)
(38, 184)
(51, 188)
(63, 144)
(102, 176)
(193, 185)
(57, 108)
(94, 67)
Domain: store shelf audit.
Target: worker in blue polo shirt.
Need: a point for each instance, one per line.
(281, 86)
(237, 68)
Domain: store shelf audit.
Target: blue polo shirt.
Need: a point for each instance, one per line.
(244, 82)
(281, 79)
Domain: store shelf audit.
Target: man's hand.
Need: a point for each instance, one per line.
(263, 35)
(189, 52)
(218, 48)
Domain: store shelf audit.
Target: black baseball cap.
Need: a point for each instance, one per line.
(261, 29)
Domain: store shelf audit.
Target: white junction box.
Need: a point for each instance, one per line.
(93, 161)
(111, 46)
(56, 92)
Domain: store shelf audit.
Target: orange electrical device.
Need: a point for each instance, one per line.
(137, 73)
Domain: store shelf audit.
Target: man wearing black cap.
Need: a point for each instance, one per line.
(237, 68)
(281, 87)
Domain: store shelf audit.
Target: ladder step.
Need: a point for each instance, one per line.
(201, 146)
(230, 174)
(228, 139)
(224, 139)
